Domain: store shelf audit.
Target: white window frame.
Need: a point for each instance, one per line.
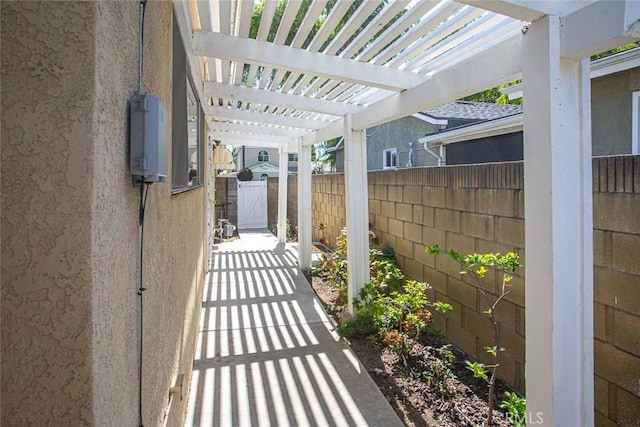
(393, 152)
(264, 154)
(292, 157)
(635, 128)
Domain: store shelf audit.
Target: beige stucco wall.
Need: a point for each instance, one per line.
(47, 109)
(70, 309)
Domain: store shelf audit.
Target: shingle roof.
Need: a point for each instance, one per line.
(467, 110)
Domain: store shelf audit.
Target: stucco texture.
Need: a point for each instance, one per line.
(611, 99)
(47, 107)
(398, 134)
(70, 252)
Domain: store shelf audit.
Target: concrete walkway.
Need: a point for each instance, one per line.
(267, 354)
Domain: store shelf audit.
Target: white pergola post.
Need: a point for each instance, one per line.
(283, 175)
(304, 205)
(357, 209)
(558, 230)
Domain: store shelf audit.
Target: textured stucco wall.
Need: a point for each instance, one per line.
(611, 112)
(395, 134)
(47, 151)
(398, 134)
(174, 257)
(70, 313)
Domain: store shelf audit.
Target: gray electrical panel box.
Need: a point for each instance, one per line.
(149, 126)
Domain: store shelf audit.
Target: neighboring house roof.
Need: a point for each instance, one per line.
(264, 167)
(467, 110)
(222, 159)
(336, 147)
(477, 130)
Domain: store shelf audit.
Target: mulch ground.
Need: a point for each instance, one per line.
(402, 379)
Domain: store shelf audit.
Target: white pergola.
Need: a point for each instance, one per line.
(322, 72)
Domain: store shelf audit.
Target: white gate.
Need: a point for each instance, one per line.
(252, 204)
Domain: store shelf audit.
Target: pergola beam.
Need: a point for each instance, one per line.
(290, 101)
(216, 45)
(262, 118)
(468, 77)
(528, 10)
(183, 16)
(252, 129)
(610, 24)
(230, 138)
(471, 76)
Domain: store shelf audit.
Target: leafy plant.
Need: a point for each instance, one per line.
(517, 407)
(291, 232)
(437, 362)
(323, 227)
(477, 266)
(397, 316)
(333, 265)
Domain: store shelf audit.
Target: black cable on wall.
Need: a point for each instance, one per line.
(144, 192)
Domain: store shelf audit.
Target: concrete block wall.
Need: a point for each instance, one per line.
(616, 242)
(327, 206)
(480, 208)
(470, 209)
(272, 201)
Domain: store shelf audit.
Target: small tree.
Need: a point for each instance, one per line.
(477, 266)
(244, 174)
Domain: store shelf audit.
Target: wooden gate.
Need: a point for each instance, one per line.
(252, 204)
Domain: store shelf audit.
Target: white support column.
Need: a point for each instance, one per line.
(357, 207)
(283, 175)
(558, 230)
(304, 205)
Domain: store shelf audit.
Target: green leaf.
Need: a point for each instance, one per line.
(442, 307)
(477, 369)
(433, 250)
(481, 271)
(492, 350)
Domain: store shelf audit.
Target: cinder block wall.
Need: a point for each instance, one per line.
(470, 209)
(328, 205)
(292, 201)
(480, 208)
(616, 242)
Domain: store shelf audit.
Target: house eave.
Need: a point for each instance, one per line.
(486, 129)
(432, 120)
(615, 63)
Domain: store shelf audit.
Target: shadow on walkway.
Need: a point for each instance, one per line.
(267, 354)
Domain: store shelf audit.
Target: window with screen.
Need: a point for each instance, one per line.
(187, 123)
